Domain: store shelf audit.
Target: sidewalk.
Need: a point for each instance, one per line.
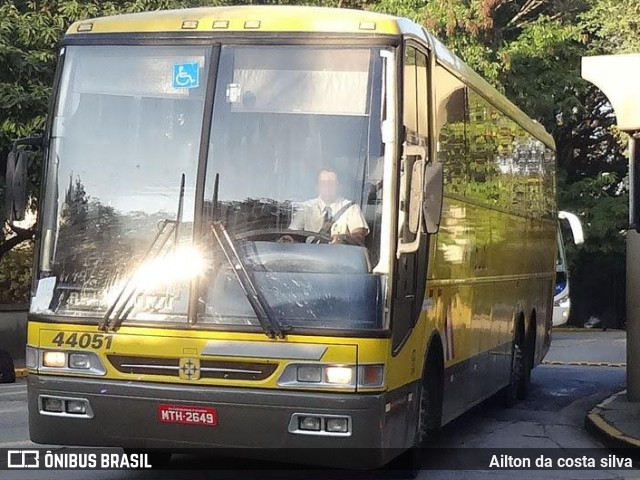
(616, 421)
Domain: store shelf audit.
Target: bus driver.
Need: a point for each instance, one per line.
(330, 214)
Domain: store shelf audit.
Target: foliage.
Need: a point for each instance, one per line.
(15, 274)
(612, 26)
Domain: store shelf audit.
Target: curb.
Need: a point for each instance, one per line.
(585, 364)
(610, 436)
(583, 329)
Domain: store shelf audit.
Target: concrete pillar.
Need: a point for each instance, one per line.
(633, 315)
(633, 279)
(617, 77)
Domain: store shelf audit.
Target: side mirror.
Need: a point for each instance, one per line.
(433, 193)
(16, 178)
(16, 191)
(412, 195)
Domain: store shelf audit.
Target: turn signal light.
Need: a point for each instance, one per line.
(371, 375)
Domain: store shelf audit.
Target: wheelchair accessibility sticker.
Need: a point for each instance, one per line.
(186, 75)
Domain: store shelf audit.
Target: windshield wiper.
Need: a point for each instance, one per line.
(259, 305)
(156, 247)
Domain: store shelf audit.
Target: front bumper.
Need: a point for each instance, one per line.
(125, 415)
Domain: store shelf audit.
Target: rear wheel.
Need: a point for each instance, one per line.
(7, 370)
(511, 392)
(527, 359)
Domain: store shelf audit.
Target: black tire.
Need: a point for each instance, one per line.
(527, 361)
(431, 393)
(7, 369)
(511, 392)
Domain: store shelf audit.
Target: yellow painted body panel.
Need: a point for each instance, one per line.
(489, 266)
(485, 267)
(270, 18)
(174, 344)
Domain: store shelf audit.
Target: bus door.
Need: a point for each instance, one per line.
(410, 268)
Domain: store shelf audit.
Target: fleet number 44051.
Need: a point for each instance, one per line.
(83, 340)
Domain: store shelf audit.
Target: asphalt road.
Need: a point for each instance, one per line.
(551, 417)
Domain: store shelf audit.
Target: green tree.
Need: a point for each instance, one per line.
(612, 26)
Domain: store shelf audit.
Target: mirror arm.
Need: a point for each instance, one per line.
(421, 153)
(411, 246)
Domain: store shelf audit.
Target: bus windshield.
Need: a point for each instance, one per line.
(293, 172)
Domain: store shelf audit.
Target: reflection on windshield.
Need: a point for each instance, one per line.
(124, 133)
(295, 144)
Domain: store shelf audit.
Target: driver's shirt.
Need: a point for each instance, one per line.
(310, 216)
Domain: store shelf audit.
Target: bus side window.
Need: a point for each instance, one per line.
(410, 110)
(451, 128)
(422, 98)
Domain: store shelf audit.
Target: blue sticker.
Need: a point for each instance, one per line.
(186, 75)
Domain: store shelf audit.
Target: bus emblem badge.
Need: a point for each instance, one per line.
(189, 368)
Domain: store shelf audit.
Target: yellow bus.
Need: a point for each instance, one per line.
(282, 227)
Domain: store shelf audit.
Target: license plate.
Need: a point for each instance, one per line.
(188, 415)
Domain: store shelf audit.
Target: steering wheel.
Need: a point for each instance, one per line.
(274, 234)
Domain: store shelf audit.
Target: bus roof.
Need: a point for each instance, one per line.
(261, 18)
(299, 19)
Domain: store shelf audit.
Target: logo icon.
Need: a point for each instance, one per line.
(186, 75)
(23, 459)
(189, 368)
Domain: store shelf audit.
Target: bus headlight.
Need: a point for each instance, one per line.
(69, 361)
(311, 374)
(79, 360)
(54, 359)
(339, 375)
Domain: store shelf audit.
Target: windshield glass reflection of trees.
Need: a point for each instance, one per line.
(124, 134)
(295, 174)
